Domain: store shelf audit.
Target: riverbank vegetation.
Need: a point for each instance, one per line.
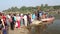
(53, 10)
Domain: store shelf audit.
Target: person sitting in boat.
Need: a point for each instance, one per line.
(44, 16)
(50, 16)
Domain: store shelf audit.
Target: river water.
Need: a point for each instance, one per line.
(53, 28)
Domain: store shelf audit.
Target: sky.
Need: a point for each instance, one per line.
(5, 4)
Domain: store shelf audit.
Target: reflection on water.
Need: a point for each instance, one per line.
(52, 28)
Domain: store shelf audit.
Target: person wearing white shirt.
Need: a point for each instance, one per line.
(25, 19)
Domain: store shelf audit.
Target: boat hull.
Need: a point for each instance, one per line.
(48, 19)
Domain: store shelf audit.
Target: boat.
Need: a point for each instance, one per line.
(43, 21)
(51, 19)
(36, 22)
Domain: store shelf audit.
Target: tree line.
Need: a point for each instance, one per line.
(31, 9)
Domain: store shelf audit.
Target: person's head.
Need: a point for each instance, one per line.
(39, 8)
(0, 14)
(17, 14)
(44, 14)
(9, 13)
(28, 13)
(3, 14)
(0, 17)
(21, 14)
(14, 14)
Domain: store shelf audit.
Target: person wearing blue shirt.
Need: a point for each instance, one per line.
(33, 16)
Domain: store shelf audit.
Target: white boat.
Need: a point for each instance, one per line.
(36, 22)
(48, 19)
(45, 21)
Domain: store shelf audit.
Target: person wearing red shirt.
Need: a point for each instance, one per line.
(4, 19)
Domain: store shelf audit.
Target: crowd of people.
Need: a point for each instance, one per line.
(18, 20)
